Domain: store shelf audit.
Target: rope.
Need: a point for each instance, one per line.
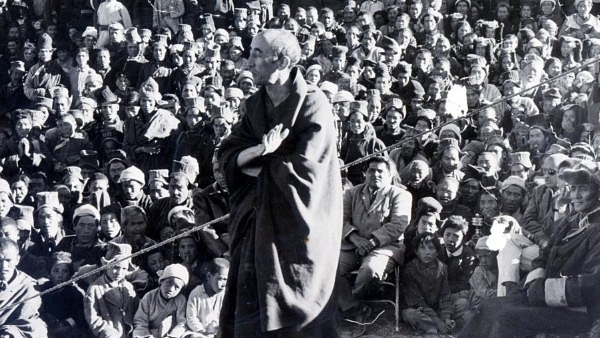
(493, 103)
(185, 233)
(222, 218)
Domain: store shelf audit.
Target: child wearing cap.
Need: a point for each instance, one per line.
(426, 290)
(205, 302)
(162, 311)
(62, 310)
(18, 305)
(110, 301)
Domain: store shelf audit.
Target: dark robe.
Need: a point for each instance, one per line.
(284, 243)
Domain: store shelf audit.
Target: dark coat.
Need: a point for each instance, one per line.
(284, 243)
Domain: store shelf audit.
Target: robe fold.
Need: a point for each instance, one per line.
(285, 224)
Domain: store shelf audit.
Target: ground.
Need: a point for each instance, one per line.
(383, 327)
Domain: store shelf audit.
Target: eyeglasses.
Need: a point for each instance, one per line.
(550, 172)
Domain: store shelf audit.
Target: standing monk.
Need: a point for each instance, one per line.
(282, 171)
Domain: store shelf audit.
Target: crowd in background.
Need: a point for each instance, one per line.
(112, 112)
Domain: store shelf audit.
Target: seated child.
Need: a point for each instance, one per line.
(162, 310)
(62, 310)
(459, 258)
(426, 220)
(426, 290)
(110, 301)
(21, 320)
(205, 301)
(484, 279)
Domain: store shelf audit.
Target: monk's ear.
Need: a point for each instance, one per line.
(284, 62)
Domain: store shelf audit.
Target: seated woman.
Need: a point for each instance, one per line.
(562, 294)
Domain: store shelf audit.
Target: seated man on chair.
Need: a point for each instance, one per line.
(376, 213)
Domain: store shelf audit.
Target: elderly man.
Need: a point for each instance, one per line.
(376, 213)
(281, 168)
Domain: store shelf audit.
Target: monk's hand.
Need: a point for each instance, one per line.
(536, 292)
(272, 140)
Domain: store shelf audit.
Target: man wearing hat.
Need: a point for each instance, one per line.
(290, 109)
(84, 246)
(158, 67)
(514, 192)
(181, 183)
(338, 63)
(46, 74)
(110, 124)
(132, 181)
(48, 219)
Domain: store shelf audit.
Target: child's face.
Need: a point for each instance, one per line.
(109, 225)
(9, 258)
(170, 287)
(118, 271)
(218, 281)
(60, 273)
(156, 262)
(427, 223)
(453, 239)
(426, 252)
(187, 250)
(487, 258)
(9, 231)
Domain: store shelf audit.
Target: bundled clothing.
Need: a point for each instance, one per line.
(160, 317)
(21, 321)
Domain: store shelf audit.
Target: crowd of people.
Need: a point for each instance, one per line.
(122, 124)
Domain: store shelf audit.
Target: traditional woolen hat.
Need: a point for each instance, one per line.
(233, 92)
(175, 270)
(342, 96)
(118, 252)
(482, 244)
(522, 158)
(90, 31)
(447, 143)
(428, 204)
(339, 51)
(584, 173)
(207, 19)
(45, 42)
(150, 89)
(85, 210)
(359, 106)
(195, 102)
(132, 173)
(188, 166)
(132, 35)
(17, 66)
(513, 180)
(178, 209)
(160, 175)
(330, 87)
(108, 97)
(49, 199)
(236, 42)
(223, 112)
(454, 129)
(116, 26)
